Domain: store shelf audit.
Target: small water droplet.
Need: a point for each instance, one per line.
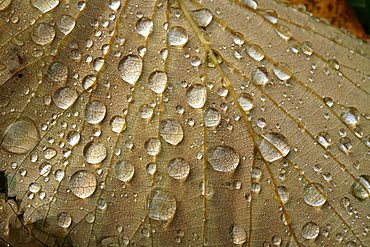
(94, 152)
(255, 52)
(259, 76)
(282, 71)
(44, 5)
(95, 112)
(82, 184)
(144, 26)
(64, 220)
(196, 96)
(246, 102)
(152, 146)
(202, 17)
(171, 131)
(177, 36)
(274, 146)
(350, 116)
(178, 168)
(57, 72)
(65, 97)
(130, 68)
(118, 124)
(66, 24)
(238, 234)
(283, 193)
(314, 194)
(43, 34)
(124, 171)
(310, 230)
(161, 205)
(158, 81)
(212, 117)
(361, 187)
(324, 139)
(223, 158)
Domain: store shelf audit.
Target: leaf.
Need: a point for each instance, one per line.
(181, 123)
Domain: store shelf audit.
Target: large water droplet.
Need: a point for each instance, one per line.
(238, 234)
(314, 194)
(64, 220)
(146, 111)
(255, 52)
(196, 96)
(158, 81)
(124, 171)
(177, 36)
(212, 117)
(57, 72)
(171, 131)
(202, 17)
(178, 168)
(223, 158)
(43, 34)
(94, 153)
(350, 116)
(259, 76)
(152, 146)
(130, 68)
(246, 102)
(282, 71)
(118, 124)
(73, 138)
(324, 139)
(45, 5)
(144, 26)
(274, 146)
(65, 97)
(161, 205)
(66, 24)
(361, 187)
(82, 184)
(19, 136)
(310, 230)
(95, 112)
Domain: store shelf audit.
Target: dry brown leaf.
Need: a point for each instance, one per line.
(181, 123)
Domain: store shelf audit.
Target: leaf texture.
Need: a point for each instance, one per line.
(181, 123)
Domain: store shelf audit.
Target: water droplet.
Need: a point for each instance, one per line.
(88, 81)
(34, 187)
(124, 171)
(350, 116)
(66, 24)
(178, 168)
(95, 112)
(259, 76)
(345, 144)
(94, 153)
(283, 193)
(202, 17)
(246, 102)
(45, 5)
(238, 235)
(43, 34)
(324, 139)
(161, 205)
(171, 131)
(73, 138)
(177, 36)
(44, 168)
(114, 4)
(118, 124)
(306, 48)
(144, 26)
(130, 68)
(82, 184)
(223, 158)
(196, 96)
(19, 136)
(152, 146)
(361, 187)
(310, 230)
(65, 97)
(282, 71)
(255, 52)
(158, 81)
(146, 111)
(274, 146)
(59, 175)
(64, 220)
(57, 72)
(212, 117)
(314, 194)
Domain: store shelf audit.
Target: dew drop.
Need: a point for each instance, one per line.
(324, 139)
(19, 136)
(283, 193)
(350, 116)
(310, 230)
(223, 158)
(88, 81)
(118, 124)
(259, 76)
(82, 184)
(114, 4)
(255, 52)
(146, 111)
(282, 71)
(314, 194)
(57, 72)
(144, 26)
(44, 168)
(161, 205)
(94, 153)
(73, 138)
(196, 96)
(43, 34)
(361, 187)
(130, 68)
(95, 112)
(34, 187)
(177, 36)
(274, 146)
(64, 220)
(44, 5)
(65, 97)
(246, 102)
(306, 48)
(178, 168)
(212, 117)
(152, 146)
(158, 81)
(124, 171)
(66, 24)
(345, 144)
(171, 131)
(238, 234)
(202, 17)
